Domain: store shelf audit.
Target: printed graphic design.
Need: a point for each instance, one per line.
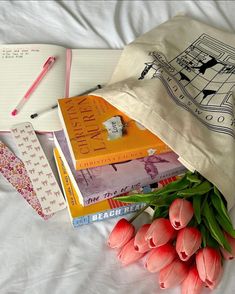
(13, 169)
(38, 168)
(200, 79)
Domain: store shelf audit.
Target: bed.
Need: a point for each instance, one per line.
(51, 257)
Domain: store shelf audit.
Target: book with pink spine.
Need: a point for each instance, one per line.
(101, 183)
(105, 209)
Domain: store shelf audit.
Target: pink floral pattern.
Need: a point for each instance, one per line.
(13, 169)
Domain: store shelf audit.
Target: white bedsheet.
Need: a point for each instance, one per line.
(51, 257)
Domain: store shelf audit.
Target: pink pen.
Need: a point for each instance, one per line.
(46, 67)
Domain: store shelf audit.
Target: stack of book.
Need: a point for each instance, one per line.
(101, 153)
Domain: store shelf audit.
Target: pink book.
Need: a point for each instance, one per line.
(99, 183)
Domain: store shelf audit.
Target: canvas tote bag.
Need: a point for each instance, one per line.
(177, 80)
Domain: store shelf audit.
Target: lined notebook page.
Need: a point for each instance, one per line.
(91, 67)
(19, 67)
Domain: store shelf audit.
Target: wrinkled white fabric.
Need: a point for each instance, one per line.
(146, 87)
(38, 257)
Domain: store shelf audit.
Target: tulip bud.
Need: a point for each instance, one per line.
(160, 257)
(229, 255)
(192, 284)
(121, 234)
(128, 254)
(140, 243)
(159, 233)
(212, 285)
(208, 261)
(173, 274)
(188, 242)
(180, 213)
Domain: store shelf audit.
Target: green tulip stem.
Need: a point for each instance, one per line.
(204, 201)
(138, 213)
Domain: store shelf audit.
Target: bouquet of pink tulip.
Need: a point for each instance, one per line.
(190, 235)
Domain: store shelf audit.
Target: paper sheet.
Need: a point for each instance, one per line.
(19, 67)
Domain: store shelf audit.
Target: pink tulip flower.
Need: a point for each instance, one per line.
(128, 254)
(208, 261)
(173, 274)
(229, 255)
(192, 284)
(140, 243)
(213, 285)
(159, 233)
(121, 234)
(180, 213)
(188, 242)
(160, 257)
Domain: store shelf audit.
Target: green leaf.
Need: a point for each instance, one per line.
(204, 233)
(214, 228)
(150, 197)
(226, 225)
(160, 212)
(192, 222)
(201, 189)
(217, 192)
(208, 239)
(175, 186)
(219, 205)
(197, 207)
(164, 200)
(193, 178)
(147, 198)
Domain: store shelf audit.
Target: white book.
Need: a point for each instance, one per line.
(74, 71)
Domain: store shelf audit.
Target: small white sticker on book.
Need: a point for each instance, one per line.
(115, 127)
(151, 151)
(38, 168)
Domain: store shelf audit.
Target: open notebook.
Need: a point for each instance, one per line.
(75, 71)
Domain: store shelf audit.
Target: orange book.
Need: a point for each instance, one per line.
(98, 134)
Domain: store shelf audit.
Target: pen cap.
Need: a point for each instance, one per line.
(49, 61)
